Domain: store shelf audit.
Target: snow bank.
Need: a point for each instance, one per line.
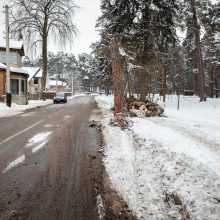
(173, 140)
(159, 156)
(193, 110)
(75, 96)
(105, 101)
(15, 109)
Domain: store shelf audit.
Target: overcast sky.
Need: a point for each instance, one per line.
(85, 20)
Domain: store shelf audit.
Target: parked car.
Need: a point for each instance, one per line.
(60, 97)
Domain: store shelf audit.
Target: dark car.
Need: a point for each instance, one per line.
(60, 97)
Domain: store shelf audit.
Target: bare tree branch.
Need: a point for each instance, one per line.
(38, 19)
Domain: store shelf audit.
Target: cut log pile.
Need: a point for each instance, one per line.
(143, 109)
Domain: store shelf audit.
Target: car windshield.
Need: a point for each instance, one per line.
(60, 94)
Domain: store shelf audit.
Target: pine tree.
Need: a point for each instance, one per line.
(141, 24)
(210, 20)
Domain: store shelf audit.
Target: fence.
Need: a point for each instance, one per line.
(46, 95)
(2, 98)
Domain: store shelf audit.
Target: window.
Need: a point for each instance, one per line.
(14, 86)
(23, 87)
(2, 57)
(35, 80)
(15, 57)
(18, 87)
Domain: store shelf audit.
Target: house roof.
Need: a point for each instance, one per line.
(18, 70)
(14, 69)
(16, 45)
(85, 77)
(59, 83)
(2, 66)
(33, 71)
(39, 74)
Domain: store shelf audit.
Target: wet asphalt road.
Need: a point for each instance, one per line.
(51, 175)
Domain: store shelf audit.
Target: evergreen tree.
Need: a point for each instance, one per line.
(142, 24)
(211, 22)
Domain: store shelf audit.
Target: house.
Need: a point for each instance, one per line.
(57, 86)
(34, 84)
(34, 79)
(18, 76)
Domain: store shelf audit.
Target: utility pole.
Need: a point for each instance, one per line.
(7, 49)
(7, 31)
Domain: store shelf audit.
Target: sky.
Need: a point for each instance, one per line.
(85, 20)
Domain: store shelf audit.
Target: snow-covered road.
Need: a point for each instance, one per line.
(161, 156)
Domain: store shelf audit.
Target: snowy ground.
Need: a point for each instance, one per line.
(15, 109)
(157, 157)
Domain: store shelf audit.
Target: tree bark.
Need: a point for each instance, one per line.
(128, 74)
(199, 53)
(164, 83)
(117, 76)
(143, 90)
(44, 64)
(44, 52)
(212, 82)
(216, 87)
(212, 45)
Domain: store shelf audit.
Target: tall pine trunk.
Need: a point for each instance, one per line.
(165, 73)
(128, 74)
(212, 45)
(199, 53)
(212, 82)
(117, 76)
(143, 70)
(216, 87)
(164, 83)
(143, 79)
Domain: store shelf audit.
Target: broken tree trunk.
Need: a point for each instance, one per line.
(117, 75)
